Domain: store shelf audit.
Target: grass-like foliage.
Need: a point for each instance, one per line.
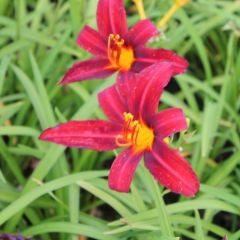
(51, 192)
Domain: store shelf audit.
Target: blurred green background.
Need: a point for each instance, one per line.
(50, 192)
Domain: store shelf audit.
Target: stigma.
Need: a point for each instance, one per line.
(120, 55)
(135, 134)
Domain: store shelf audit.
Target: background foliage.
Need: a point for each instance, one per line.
(50, 192)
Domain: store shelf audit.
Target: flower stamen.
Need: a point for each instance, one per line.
(120, 56)
(135, 133)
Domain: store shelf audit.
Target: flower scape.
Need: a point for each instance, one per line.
(131, 104)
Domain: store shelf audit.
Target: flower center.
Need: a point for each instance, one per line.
(120, 55)
(136, 134)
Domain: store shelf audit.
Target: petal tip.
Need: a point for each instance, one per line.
(61, 82)
(195, 189)
(182, 68)
(117, 188)
(43, 136)
(80, 35)
(66, 78)
(47, 134)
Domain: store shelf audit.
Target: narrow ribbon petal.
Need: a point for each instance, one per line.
(122, 170)
(171, 170)
(112, 104)
(148, 56)
(89, 69)
(141, 32)
(148, 88)
(111, 18)
(93, 134)
(168, 122)
(90, 40)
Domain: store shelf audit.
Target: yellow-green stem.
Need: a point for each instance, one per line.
(140, 8)
(165, 19)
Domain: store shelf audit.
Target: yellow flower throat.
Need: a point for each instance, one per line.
(136, 134)
(120, 56)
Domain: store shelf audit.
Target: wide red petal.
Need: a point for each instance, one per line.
(122, 170)
(169, 121)
(125, 83)
(112, 104)
(149, 85)
(93, 134)
(148, 56)
(111, 18)
(141, 32)
(171, 170)
(87, 70)
(90, 40)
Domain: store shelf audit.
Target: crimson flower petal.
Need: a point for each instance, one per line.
(112, 104)
(149, 86)
(122, 170)
(114, 100)
(168, 122)
(90, 40)
(147, 56)
(90, 69)
(141, 32)
(93, 134)
(171, 170)
(111, 18)
(125, 83)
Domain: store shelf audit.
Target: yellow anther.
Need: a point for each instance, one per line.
(135, 133)
(120, 56)
(120, 138)
(120, 43)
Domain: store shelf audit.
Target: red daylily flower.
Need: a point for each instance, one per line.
(134, 125)
(116, 48)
